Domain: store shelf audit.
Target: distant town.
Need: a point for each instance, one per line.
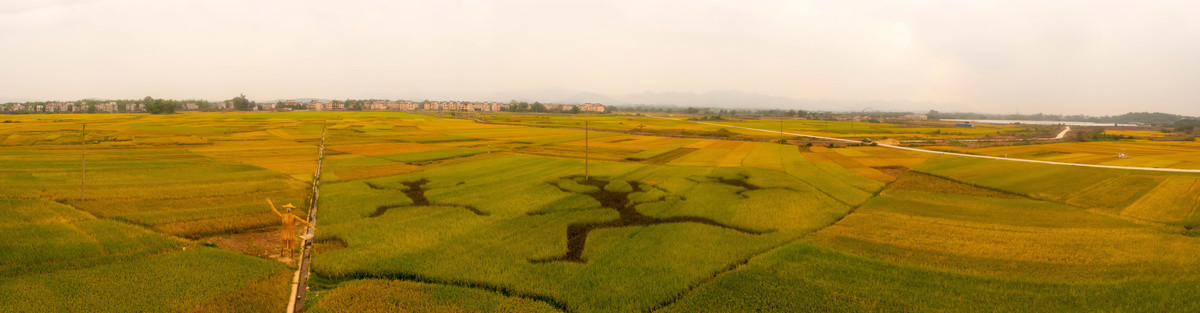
(151, 105)
(240, 103)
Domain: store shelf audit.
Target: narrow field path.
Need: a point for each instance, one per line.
(1063, 133)
(1156, 169)
(300, 280)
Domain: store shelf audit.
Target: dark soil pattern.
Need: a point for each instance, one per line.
(670, 156)
(415, 190)
(893, 171)
(629, 216)
(740, 182)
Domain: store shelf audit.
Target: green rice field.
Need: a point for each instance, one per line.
(420, 213)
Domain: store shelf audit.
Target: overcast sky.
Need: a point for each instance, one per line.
(1095, 57)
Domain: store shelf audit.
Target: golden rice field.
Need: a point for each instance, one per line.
(1139, 153)
(678, 124)
(427, 214)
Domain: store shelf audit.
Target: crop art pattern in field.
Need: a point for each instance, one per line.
(425, 213)
(616, 195)
(685, 222)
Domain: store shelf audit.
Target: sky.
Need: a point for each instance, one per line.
(1061, 57)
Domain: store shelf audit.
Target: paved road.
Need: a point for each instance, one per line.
(1156, 169)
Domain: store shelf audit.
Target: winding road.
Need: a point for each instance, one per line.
(1060, 135)
(1063, 133)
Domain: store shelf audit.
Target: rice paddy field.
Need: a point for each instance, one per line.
(1138, 152)
(678, 123)
(426, 214)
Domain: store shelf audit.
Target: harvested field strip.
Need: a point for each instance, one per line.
(873, 174)
(918, 181)
(670, 156)
(701, 157)
(433, 155)
(660, 150)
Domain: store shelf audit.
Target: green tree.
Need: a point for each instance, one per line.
(158, 106)
(240, 103)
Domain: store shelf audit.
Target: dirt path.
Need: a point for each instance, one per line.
(1156, 169)
(300, 280)
(1063, 133)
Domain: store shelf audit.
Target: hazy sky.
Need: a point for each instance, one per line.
(1098, 57)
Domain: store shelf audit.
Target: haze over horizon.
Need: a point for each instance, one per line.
(1064, 57)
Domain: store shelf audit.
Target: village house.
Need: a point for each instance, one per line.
(314, 105)
(59, 107)
(110, 107)
(592, 107)
(317, 106)
(377, 105)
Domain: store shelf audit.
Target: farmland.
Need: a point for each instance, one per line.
(679, 124)
(1139, 152)
(434, 214)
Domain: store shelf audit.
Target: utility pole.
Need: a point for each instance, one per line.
(82, 160)
(585, 151)
(781, 131)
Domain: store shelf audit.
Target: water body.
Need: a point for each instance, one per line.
(1042, 122)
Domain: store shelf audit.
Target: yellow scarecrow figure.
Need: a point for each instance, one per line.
(288, 232)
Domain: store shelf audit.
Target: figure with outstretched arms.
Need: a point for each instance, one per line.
(288, 231)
